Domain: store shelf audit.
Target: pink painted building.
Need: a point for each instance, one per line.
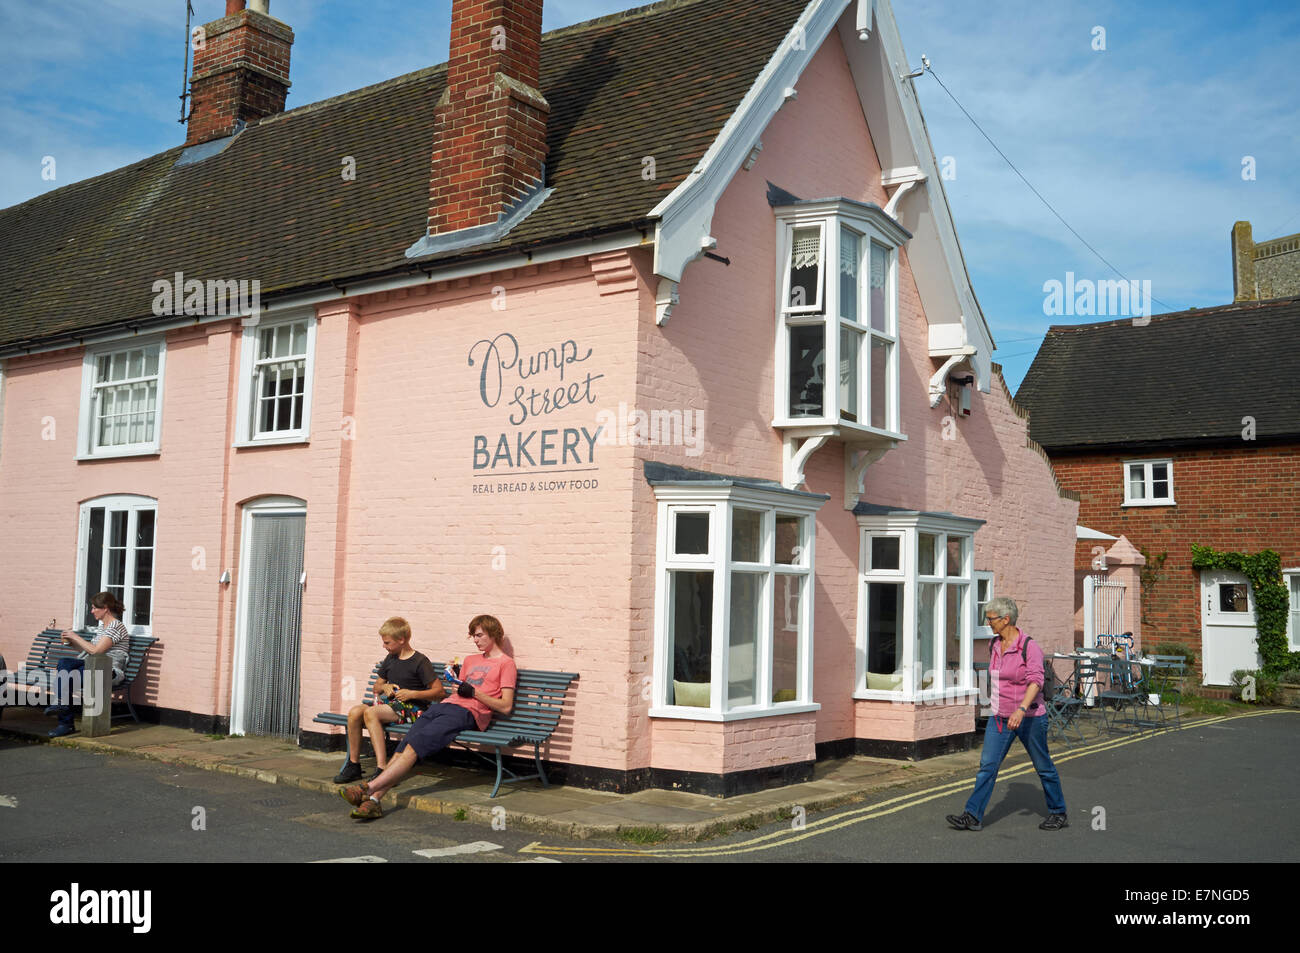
(688, 385)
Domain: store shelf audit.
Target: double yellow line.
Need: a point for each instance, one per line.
(843, 819)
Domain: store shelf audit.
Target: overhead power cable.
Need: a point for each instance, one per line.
(1030, 185)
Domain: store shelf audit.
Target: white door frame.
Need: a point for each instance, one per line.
(1212, 618)
(262, 506)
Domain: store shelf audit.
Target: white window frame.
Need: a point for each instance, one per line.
(87, 424)
(1148, 483)
(871, 225)
(246, 408)
(133, 505)
(982, 629)
(721, 502)
(2, 408)
(1292, 579)
(911, 525)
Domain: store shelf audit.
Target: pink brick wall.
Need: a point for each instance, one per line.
(554, 565)
(397, 522)
(717, 353)
(893, 721)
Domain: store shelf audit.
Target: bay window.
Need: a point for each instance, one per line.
(733, 625)
(837, 334)
(916, 609)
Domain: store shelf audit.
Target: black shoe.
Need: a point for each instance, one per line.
(378, 772)
(964, 822)
(1054, 822)
(349, 773)
(61, 730)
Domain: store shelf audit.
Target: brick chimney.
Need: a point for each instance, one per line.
(241, 73)
(490, 125)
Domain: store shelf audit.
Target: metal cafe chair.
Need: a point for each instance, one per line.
(1087, 672)
(1124, 694)
(1166, 676)
(1064, 703)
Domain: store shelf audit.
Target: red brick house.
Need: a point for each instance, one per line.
(1184, 429)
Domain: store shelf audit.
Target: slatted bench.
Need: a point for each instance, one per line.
(539, 703)
(40, 669)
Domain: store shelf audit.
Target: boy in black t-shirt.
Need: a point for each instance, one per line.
(405, 687)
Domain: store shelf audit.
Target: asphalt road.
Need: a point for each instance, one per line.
(1222, 791)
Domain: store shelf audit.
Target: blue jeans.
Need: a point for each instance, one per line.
(1033, 735)
(64, 688)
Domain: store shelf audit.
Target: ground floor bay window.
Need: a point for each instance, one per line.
(916, 604)
(733, 602)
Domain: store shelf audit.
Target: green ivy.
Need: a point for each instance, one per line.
(1264, 572)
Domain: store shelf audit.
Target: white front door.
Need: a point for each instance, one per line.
(264, 691)
(1227, 626)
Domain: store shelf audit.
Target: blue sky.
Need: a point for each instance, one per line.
(1139, 146)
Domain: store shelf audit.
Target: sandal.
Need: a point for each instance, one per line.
(368, 810)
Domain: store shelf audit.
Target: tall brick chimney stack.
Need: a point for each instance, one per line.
(490, 124)
(241, 73)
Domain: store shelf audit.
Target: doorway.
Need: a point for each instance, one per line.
(1227, 626)
(264, 693)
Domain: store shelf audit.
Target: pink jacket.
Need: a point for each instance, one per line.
(1010, 674)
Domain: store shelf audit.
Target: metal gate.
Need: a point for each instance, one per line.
(1103, 609)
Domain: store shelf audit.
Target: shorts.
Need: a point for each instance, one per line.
(437, 728)
(406, 712)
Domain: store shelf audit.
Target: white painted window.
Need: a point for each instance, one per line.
(837, 332)
(121, 399)
(276, 365)
(733, 623)
(1148, 483)
(983, 594)
(115, 553)
(1292, 577)
(916, 608)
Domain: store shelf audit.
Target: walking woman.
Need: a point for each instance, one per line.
(1016, 678)
(111, 637)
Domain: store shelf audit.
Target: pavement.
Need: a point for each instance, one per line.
(561, 810)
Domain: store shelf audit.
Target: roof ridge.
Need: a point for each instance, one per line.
(1186, 313)
(427, 71)
(622, 15)
(423, 72)
(94, 178)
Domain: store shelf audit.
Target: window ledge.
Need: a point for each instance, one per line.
(1149, 503)
(959, 695)
(270, 442)
(687, 713)
(117, 454)
(844, 430)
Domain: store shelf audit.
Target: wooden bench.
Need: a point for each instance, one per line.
(539, 703)
(40, 669)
